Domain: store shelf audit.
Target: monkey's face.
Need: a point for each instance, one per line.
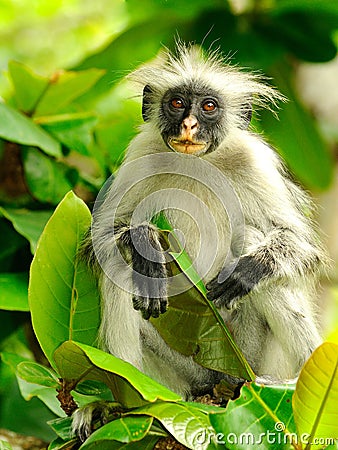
(191, 120)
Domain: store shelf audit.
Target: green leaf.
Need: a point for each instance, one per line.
(92, 387)
(306, 34)
(316, 396)
(29, 224)
(15, 127)
(29, 390)
(79, 362)
(14, 291)
(184, 422)
(192, 325)
(46, 394)
(36, 373)
(60, 444)
(148, 443)
(4, 445)
(260, 418)
(63, 296)
(64, 88)
(113, 57)
(62, 427)
(297, 138)
(127, 429)
(11, 244)
(75, 131)
(12, 360)
(29, 86)
(47, 180)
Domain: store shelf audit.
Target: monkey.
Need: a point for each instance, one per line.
(246, 225)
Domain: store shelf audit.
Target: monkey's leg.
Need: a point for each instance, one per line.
(149, 269)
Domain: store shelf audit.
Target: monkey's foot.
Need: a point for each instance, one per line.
(94, 415)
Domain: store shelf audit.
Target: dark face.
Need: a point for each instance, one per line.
(192, 120)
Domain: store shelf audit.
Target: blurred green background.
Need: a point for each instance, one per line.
(66, 117)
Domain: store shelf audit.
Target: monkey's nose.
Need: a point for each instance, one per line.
(190, 123)
(189, 128)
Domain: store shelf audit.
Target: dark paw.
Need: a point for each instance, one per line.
(149, 272)
(227, 294)
(231, 285)
(92, 416)
(151, 297)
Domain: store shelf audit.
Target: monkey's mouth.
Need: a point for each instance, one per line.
(188, 147)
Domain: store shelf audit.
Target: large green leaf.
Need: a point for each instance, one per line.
(261, 418)
(73, 130)
(297, 138)
(184, 422)
(316, 397)
(63, 297)
(192, 325)
(64, 88)
(14, 291)
(29, 224)
(29, 86)
(79, 362)
(15, 127)
(47, 180)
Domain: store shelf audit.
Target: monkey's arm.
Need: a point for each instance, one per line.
(149, 275)
(284, 253)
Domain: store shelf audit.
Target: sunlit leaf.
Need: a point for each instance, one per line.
(36, 373)
(63, 297)
(316, 396)
(29, 86)
(15, 127)
(73, 130)
(80, 362)
(187, 424)
(260, 418)
(4, 445)
(64, 88)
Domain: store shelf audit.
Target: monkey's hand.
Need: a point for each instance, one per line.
(94, 415)
(239, 280)
(149, 271)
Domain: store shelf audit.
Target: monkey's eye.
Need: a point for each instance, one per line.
(209, 105)
(177, 103)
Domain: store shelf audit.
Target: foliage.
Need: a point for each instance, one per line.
(67, 131)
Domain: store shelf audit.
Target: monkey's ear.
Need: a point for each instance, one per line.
(146, 102)
(246, 114)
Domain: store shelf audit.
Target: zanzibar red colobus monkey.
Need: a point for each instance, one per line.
(195, 143)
